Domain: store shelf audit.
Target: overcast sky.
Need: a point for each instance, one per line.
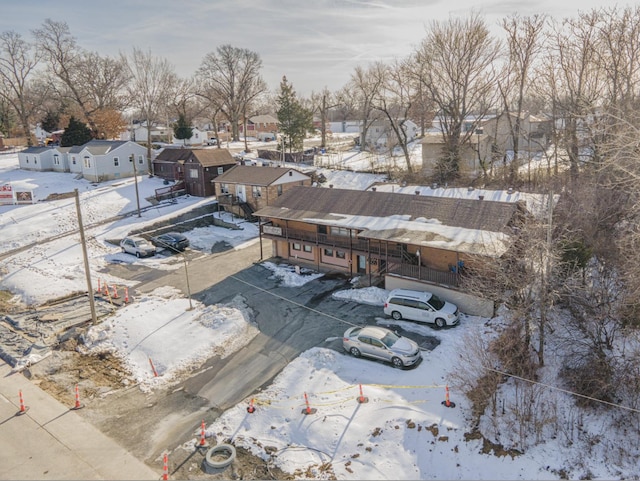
(314, 43)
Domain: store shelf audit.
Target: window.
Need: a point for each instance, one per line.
(87, 162)
(328, 252)
(296, 246)
(193, 173)
(279, 190)
(340, 254)
(224, 188)
(116, 161)
(35, 160)
(140, 159)
(56, 159)
(256, 190)
(341, 231)
(73, 160)
(220, 170)
(322, 229)
(307, 248)
(26, 159)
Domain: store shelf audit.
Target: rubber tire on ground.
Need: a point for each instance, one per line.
(355, 352)
(440, 323)
(397, 362)
(396, 315)
(122, 248)
(217, 449)
(138, 255)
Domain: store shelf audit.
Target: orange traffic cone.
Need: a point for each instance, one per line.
(115, 292)
(251, 409)
(126, 295)
(361, 398)
(447, 402)
(165, 467)
(23, 408)
(308, 409)
(78, 405)
(203, 442)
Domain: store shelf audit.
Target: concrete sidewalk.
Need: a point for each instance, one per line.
(51, 441)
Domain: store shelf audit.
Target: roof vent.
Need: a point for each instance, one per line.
(373, 189)
(481, 197)
(331, 186)
(434, 185)
(470, 189)
(417, 192)
(290, 173)
(510, 190)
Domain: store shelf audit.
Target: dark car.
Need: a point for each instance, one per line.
(173, 241)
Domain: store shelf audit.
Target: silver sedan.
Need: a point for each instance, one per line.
(380, 343)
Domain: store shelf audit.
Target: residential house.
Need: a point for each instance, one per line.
(194, 170)
(138, 133)
(381, 134)
(198, 137)
(245, 189)
(96, 161)
(533, 134)
(470, 153)
(257, 124)
(37, 158)
(111, 159)
(413, 241)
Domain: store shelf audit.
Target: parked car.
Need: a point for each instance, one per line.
(174, 241)
(421, 306)
(137, 246)
(380, 343)
(212, 141)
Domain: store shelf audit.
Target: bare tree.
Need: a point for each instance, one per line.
(366, 84)
(394, 101)
(17, 63)
(524, 44)
(456, 66)
(321, 103)
(89, 82)
(231, 79)
(152, 80)
(574, 81)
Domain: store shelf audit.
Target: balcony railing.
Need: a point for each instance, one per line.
(396, 260)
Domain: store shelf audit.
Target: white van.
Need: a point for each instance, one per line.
(421, 306)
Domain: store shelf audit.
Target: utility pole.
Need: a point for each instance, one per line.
(87, 272)
(132, 158)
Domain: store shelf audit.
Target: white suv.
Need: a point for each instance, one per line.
(137, 246)
(420, 306)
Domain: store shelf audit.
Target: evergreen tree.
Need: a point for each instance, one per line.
(294, 120)
(181, 129)
(76, 133)
(50, 122)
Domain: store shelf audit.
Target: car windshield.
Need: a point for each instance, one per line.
(436, 302)
(141, 243)
(389, 339)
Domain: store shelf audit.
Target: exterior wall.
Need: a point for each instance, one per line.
(60, 162)
(468, 158)
(468, 304)
(102, 167)
(437, 258)
(40, 161)
(75, 163)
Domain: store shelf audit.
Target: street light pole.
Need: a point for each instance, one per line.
(132, 158)
(186, 270)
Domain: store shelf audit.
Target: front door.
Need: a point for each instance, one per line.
(362, 264)
(242, 193)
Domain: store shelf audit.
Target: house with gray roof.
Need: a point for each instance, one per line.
(96, 161)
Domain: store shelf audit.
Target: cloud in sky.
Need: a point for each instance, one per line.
(315, 44)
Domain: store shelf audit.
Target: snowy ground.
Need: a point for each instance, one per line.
(402, 432)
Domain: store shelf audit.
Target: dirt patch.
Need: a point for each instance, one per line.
(6, 306)
(64, 195)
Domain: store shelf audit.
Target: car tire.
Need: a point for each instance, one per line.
(397, 362)
(138, 255)
(123, 250)
(355, 352)
(396, 315)
(440, 323)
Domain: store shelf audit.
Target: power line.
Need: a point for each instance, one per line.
(566, 391)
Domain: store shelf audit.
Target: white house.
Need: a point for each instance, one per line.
(37, 158)
(111, 159)
(198, 137)
(381, 134)
(138, 133)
